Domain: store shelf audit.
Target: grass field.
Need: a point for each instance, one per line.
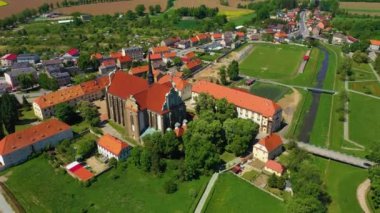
(188, 24)
(368, 8)
(239, 17)
(44, 190)
(3, 3)
(273, 61)
(25, 120)
(364, 111)
(234, 195)
(271, 91)
(368, 87)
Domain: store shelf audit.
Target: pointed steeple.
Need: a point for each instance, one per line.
(150, 72)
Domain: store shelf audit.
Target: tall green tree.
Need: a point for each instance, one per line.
(233, 70)
(65, 113)
(377, 64)
(9, 112)
(222, 74)
(46, 82)
(239, 134)
(89, 112)
(140, 9)
(26, 80)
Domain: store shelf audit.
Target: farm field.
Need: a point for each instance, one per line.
(3, 3)
(135, 190)
(17, 6)
(210, 3)
(273, 61)
(232, 194)
(363, 111)
(367, 8)
(368, 87)
(270, 91)
(110, 7)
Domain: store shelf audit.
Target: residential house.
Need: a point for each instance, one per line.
(97, 56)
(184, 44)
(71, 55)
(374, 45)
(182, 86)
(240, 35)
(107, 66)
(216, 36)
(194, 64)
(170, 42)
(111, 147)
(268, 148)
(136, 53)
(124, 62)
(227, 42)
(142, 106)
(156, 57)
(351, 40)
(160, 50)
(273, 167)
(266, 113)
(8, 59)
(194, 41)
(55, 69)
(44, 105)
(30, 58)
(203, 38)
(16, 70)
(338, 38)
(169, 57)
(15, 148)
(115, 55)
(62, 78)
(188, 57)
(142, 72)
(281, 37)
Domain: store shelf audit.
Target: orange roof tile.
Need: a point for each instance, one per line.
(112, 144)
(31, 135)
(217, 35)
(202, 36)
(271, 142)
(170, 55)
(155, 56)
(124, 59)
(275, 166)
(160, 50)
(139, 69)
(281, 35)
(179, 82)
(83, 174)
(241, 99)
(116, 55)
(240, 34)
(194, 39)
(97, 56)
(124, 85)
(375, 42)
(190, 55)
(194, 63)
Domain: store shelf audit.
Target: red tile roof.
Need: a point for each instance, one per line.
(375, 42)
(10, 57)
(112, 144)
(116, 55)
(190, 55)
(82, 173)
(154, 57)
(153, 98)
(240, 34)
(160, 50)
(275, 166)
(271, 142)
(139, 69)
(194, 39)
(73, 52)
(125, 59)
(97, 56)
(202, 36)
(193, 63)
(217, 35)
(170, 55)
(281, 35)
(241, 99)
(352, 39)
(31, 135)
(124, 85)
(107, 63)
(180, 83)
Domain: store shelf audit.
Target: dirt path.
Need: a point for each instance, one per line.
(361, 194)
(289, 105)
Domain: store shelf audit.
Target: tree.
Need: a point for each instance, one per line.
(222, 74)
(224, 110)
(305, 205)
(377, 64)
(157, 8)
(374, 153)
(151, 10)
(112, 162)
(170, 187)
(140, 9)
(272, 181)
(89, 112)
(177, 61)
(26, 80)
(46, 82)
(9, 112)
(360, 57)
(239, 134)
(85, 148)
(131, 16)
(233, 70)
(65, 113)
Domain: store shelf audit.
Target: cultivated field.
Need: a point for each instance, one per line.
(273, 61)
(232, 4)
(232, 194)
(111, 7)
(17, 6)
(369, 8)
(47, 190)
(3, 3)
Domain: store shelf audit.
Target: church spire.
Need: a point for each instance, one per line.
(150, 72)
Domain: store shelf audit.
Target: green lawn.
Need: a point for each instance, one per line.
(44, 190)
(209, 57)
(188, 24)
(368, 87)
(242, 19)
(273, 61)
(226, 157)
(232, 194)
(270, 91)
(364, 118)
(26, 118)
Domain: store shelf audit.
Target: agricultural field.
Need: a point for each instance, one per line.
(231, 194)
(363, 111)
(135, 190)
(232, 4)
(362, 8)
(273, 61)
(17, 6)
(270, 91)
(111, 7)
(3, 3)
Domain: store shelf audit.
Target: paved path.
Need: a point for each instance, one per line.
(361, 195)
(4, 205)
(206, 193)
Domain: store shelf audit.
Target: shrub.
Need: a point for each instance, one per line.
(170, 187)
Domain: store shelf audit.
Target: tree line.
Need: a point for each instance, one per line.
(200, 12)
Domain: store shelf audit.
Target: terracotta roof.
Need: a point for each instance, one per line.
(202, 36)
(153, 98)
(116, 55)
(352, 39)
(82, 173)
(217, 35)
(194, 39)
(241, 99)
(271, 142)
(160, 49)
(275, 166)
(10, 56)
(139, 69)
(124, 85)
(125, 59)
(31, 135)
(112, 144)
(170, 55)
(73, 52)
(240, 34)
(70, 93)
(193, 63)
(180, 83)
(281, 35)
(190, 55)
(97, 56)
(375, 42)
(107, 63)
(155, 56)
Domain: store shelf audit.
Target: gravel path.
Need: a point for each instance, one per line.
(205, 195)
(361, 194)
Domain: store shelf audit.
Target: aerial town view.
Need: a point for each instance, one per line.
(179, 106)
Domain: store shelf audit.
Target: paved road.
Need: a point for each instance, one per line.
(206, 193)
(361, 195)
(4, 205)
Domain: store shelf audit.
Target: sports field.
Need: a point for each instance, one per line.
(365, 8)
(364, 119)
(273, 61)
(3, 3)
(232, 194)
(45, 189)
